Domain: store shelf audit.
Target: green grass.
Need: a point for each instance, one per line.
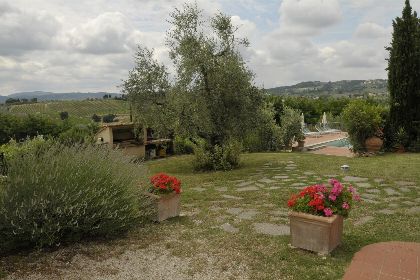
(78, 108)
(197, 233)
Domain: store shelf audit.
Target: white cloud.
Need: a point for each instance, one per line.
(66, 45)
(22, 31)
(371, 30)
(308, 17)
(107, 33)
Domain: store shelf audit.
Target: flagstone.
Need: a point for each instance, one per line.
(247, 189)
(378, 180)
(221, 189)
(290, 167)
(404, 183)
(392, 198)
(231, 197)
(234, 211)
(280, 212)
(309, 173)
(274, 188)
(363, 220)
(414, 210)
(198, 189)
(354, 179)
(369, 196)
(409, 203)
(248, 214)
(297, 184)
(391, 191)
(364, 185)
(281, 177)
(272, 229)
(370, 201)
(372, 190)
(243, 184)
(387, 211)
(215, 208)
(229, 228)
(404, 189)
(269, 205)
(266, 181)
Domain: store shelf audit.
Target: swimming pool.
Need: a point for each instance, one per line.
(344, 142)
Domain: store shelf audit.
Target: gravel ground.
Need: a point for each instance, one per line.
(155, 262)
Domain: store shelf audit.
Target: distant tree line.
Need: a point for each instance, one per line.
(16, 101)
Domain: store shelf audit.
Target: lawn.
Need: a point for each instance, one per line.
(231, 223)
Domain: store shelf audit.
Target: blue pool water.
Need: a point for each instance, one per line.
(339, 143)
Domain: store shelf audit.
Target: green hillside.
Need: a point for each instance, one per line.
(351, 88)
(75, 108)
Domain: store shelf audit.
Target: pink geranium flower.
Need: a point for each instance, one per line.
(328, 212)
(345, 205)
(356, 197)
(332, 197)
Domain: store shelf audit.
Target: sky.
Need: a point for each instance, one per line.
(67, 46)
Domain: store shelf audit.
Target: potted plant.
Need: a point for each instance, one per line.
(316, 220)
(401, 140)
(166, 194)
(374, 143)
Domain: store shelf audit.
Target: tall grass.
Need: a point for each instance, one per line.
(67, 193)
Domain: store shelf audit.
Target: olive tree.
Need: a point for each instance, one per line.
(212, 98)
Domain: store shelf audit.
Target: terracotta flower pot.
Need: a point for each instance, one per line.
(315, 233)
(166, 206)
(374, 144)
(301, 144)
(400, 148)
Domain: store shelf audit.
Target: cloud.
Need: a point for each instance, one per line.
(308, 17)
(22, 31)
(68, 46)
(107, 33)
(371, 30)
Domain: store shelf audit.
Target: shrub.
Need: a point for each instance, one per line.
(68, 193)
(216, 157)
(16, 127)
(361, 120)
(291, 127)
(14, 149)
(183, 145)
(79, 134)
(64, 115)
(266, 135)
(96, 118)
(108, 118)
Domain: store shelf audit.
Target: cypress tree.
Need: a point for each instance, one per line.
(404, 78)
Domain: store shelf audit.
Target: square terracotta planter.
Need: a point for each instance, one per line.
(166, 206)
(315, 233)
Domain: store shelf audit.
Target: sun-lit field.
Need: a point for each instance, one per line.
(82, 108)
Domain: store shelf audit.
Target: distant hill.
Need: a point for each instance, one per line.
(43, 95)
(339, 88)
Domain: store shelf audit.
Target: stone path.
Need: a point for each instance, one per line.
(379, 197)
